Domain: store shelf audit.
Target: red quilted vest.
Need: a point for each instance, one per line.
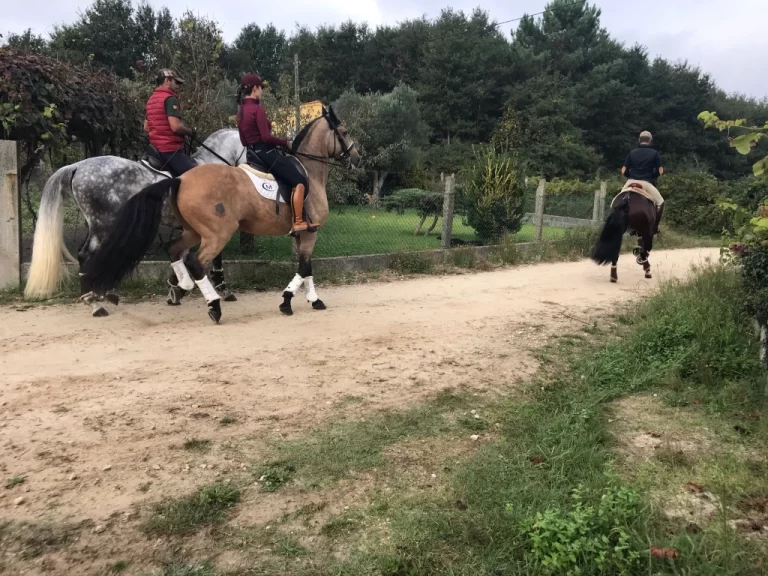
(160, 134)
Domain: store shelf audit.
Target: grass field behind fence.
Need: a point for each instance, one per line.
(349, 231)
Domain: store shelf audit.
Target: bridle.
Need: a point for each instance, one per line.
(339, 139)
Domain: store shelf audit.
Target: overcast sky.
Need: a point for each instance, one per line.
(721, 36)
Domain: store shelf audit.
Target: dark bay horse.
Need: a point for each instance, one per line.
(631, 211)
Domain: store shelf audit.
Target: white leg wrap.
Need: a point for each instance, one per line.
(183, 275)
(209, 292)
(309, 286)
(295, 284)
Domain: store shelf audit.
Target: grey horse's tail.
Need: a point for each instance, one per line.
(47, 271)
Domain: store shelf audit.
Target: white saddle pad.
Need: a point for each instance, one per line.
(265, 184)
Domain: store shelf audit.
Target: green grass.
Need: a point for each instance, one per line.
(550, 495)
(197, 445)
(227, 420)
(206, 507)
(331, 453)
(362, 230)
(15, 481)
(119, 567)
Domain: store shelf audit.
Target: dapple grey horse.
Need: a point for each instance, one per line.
(100, 186)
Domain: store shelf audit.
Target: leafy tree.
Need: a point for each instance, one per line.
(256, 49)
(387, 127)
(463, 79)
(26, 41)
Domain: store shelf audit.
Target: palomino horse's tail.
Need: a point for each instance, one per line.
(135, 228)
(47, 271)
(608, 245)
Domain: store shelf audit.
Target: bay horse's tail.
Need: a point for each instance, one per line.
(47, 271)
(608, 245)
(132, 234)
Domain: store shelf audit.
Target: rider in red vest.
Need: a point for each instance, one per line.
(164, 125)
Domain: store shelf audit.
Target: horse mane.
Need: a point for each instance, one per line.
(302, 135)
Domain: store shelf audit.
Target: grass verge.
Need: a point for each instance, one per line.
(553, 493)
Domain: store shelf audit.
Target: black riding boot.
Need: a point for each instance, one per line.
(659, 212)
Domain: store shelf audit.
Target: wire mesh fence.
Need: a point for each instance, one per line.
(351, 230)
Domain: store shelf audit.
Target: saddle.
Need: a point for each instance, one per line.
(153, 160)
(259, 172)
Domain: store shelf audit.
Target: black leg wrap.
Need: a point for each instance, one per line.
(217, 278)
(285, 307)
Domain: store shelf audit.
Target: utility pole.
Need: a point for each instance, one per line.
(296, 90)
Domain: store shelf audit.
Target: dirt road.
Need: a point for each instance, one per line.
(93, 410)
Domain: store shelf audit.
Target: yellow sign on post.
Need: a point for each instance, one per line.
(285, 120)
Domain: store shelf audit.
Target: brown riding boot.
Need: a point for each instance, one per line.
(297, 205)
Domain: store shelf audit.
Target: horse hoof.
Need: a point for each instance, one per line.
(172, 303)
(614, 280)
(113, 298)
(648, 275)
(286, 309)
(214, 311)
(229, 297)
(100, 312)
(318, 305)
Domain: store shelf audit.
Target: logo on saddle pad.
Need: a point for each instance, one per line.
(265, 184)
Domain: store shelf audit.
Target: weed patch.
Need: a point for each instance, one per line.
(208, 506)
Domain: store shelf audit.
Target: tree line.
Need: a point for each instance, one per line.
(559, 94)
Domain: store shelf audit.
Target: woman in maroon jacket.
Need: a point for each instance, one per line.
(256, 135)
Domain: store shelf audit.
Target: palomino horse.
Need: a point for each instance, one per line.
(213, 202)
(630, 211)
(100, 186)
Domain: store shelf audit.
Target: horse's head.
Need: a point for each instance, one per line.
(340, 143)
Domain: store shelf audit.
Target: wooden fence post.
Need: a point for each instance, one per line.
(10, 216)
(596, 207)
(601, 202)
(539, 215)
(448, 201)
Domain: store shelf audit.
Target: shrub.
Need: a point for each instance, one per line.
(587, 539)
(426, 203)
(692, 203)
(493, 196)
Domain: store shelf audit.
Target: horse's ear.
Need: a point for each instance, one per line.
(332, 114)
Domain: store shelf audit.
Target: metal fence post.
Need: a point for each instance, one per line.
(539, 215)
(10, 215)
(448, 201)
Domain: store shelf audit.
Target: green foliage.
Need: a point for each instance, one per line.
(692, 203)
(47, 104)
(424, 202)
(493, 196)
(747, 139)
(587, 539)
(388, 129)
